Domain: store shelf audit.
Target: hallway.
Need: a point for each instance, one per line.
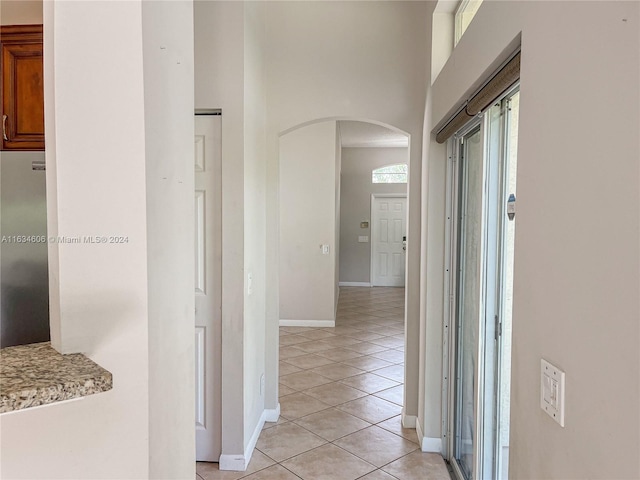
(341, 392)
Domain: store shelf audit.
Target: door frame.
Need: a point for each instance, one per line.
(493, 270)
(208, 346)
(450, 295)
(371, 235)
(450, 350)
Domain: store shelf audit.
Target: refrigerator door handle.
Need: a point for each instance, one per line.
(38, 165)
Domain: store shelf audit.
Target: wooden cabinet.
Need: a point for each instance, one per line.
(22, 87)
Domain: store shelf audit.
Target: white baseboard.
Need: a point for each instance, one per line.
(419, 432)
(248, 452)
(431, 444)
(307, 323)
(428, 444)
(272, 414)
(354, 284)
(239, 463)
(234, 463)
(409, 421)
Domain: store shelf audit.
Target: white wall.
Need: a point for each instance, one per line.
(308, 220)
(357, 60)
(432, 307)
(255, 170)
(110, 301)
(102, 289)
(229, 42)
(169, 128)
(357, 165)
(20, 12)
(219, 83)
(442, 35)
(219, 79)
(432, 271)
(338, 202)
(576, 249)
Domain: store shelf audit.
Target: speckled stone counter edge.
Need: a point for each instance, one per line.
(34, 375)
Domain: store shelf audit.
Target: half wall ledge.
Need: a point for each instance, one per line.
(36, 374)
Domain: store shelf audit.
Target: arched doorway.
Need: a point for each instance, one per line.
(341, 346)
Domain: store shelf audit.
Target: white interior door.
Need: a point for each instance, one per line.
(388, 230)
(208, 287)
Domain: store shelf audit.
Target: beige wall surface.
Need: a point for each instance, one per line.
(255, 171)
(356, 190)
(109, 300)
(307, 221)
(577, 274)
(229, 74)
(330, 60)
(220, 83)
(299, 88)
(99, 304)
(169, 129)
(337, 204)
(20, 12)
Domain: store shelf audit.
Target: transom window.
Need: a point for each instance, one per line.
(390, 174)
(464, 14)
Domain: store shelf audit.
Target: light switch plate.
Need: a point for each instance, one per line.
(325, 249)
(552, 391)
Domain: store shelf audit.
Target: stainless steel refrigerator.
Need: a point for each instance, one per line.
(24, 283)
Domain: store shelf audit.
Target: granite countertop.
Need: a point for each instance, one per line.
(36, 374)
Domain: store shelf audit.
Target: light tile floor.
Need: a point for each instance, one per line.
(341, 392)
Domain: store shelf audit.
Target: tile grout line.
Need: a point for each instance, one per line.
(359, 312)
(367, 394)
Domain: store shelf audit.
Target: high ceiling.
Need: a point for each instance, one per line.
(362, 134)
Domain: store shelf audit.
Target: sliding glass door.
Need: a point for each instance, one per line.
(483, 181)
(506, 249)
(467, 324)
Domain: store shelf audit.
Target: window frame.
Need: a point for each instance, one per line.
(377, 171)
(460, 24)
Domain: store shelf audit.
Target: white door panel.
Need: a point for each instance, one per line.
(199, 153)
(200, 380)
(398, 264)
(398, 230)
(200, 279)
(384, 230)
(389, 226)
(208, 287)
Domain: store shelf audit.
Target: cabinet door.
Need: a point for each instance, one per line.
(22, 88)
